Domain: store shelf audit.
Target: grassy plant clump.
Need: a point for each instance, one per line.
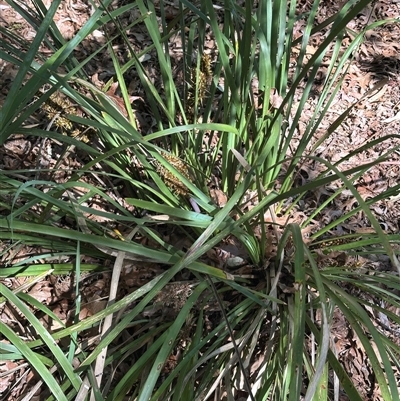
(176, 221)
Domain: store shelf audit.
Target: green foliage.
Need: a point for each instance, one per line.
(242, 142)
